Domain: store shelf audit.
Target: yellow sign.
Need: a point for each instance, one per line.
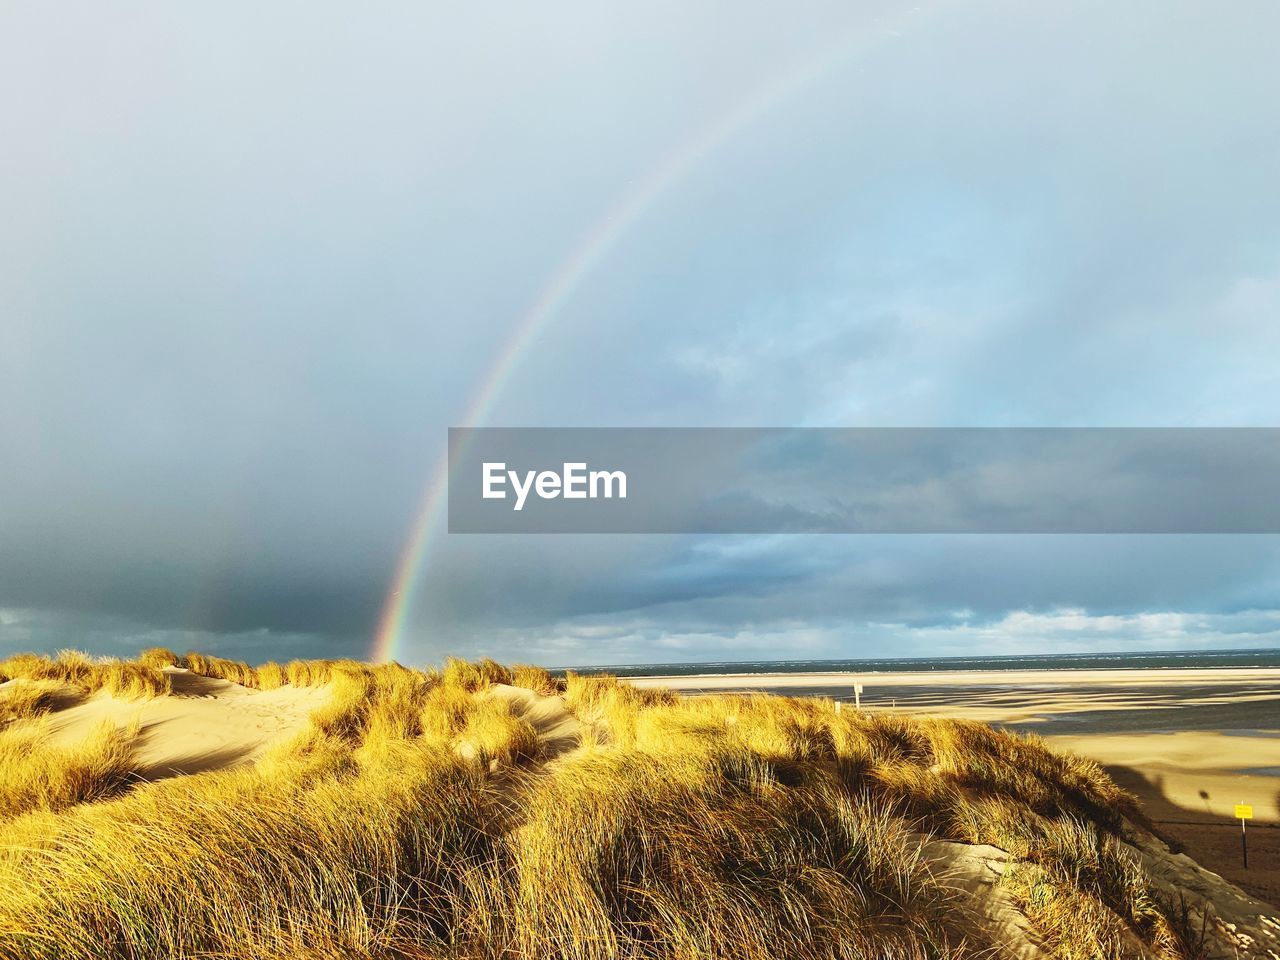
(1244, 811)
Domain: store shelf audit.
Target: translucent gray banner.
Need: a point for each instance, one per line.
(864, 480)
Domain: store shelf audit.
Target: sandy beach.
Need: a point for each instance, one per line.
(1191, 743)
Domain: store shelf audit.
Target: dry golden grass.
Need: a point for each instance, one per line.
(309, 855)
(444, 713)
(25, 699)
(235, 671)
(536, 679)
(159, 657)
(953, 779)
(629, 854)
(37, 775)
(272, 676)
(493, 733)
(743, 827)
(474, 676)
(127, 680)
(316, 673)
(130, 681)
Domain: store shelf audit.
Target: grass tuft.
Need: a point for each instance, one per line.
(159, 657)
(235, 671)
(26, 699)
(35, 774)
(492, 733)
(127, 680)
(536, 679)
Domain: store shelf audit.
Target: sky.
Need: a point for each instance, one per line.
(255, 261)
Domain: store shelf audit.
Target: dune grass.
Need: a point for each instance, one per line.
(536, 679)
(159, 657)
(25, 699)
(1060, 815)
(719, 855)
(36, 774)
(146, 676)
(475, 676)
(492, 734)
(415, 818)
(124, 679)
(235, 671)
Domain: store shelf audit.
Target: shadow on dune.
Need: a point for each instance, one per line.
(193, 685)
(66, 698)
(201, 759)
(1211, 840)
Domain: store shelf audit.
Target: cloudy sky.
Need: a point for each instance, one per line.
(255, 260)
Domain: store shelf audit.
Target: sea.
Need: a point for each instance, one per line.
(1075, 661)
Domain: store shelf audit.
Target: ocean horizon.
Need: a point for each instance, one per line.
(1083, 661)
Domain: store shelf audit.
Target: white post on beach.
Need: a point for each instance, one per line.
(857, 696)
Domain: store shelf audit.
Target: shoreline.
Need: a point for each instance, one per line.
(1121, 675)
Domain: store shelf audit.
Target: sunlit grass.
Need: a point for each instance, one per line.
(417, 816)
(159, 657)
(25, 699)
(128, 680)
(36, 774)
(492, 733)
(536, 679)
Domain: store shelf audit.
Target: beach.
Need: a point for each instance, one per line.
(1190, 743)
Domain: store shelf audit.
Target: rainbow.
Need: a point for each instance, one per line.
(594, 247)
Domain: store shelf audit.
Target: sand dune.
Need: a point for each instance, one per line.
(207, 724)
(1188, 776)
(1191, 743)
